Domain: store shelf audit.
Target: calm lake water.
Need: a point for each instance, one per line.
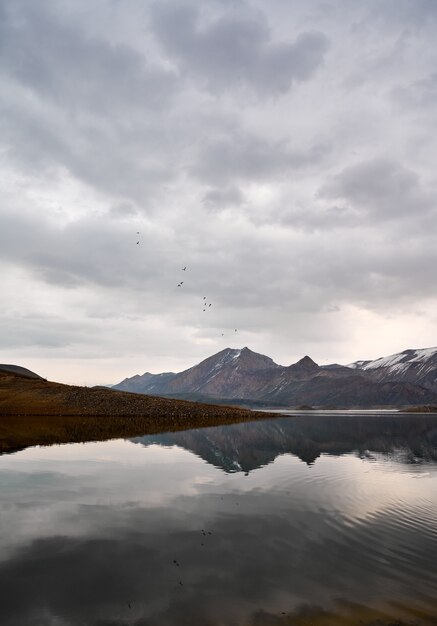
(308, 519)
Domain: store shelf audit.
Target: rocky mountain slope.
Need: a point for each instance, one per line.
(152, 382)
(229, 373)
(242, 375)
(418, 367)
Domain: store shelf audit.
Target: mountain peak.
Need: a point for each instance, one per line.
(241, 356)
(306, 363)
(304, 368)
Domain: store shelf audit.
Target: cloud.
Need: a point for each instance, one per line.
(82, 103)
(418, 95)
(57, 60)
(123, 209)
(416, 14)
(236, 51)
(216, 199)
(245, 157)
(286, 158)
(87, 251)
(382, 189)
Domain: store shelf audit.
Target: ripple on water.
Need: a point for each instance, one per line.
(281, 544)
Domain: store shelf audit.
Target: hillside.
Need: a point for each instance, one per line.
(19, 371)
(35, 411)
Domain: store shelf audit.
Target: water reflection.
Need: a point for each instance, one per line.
(118, 533)
(408, 438)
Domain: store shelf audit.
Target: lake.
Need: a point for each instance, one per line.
(306, 519)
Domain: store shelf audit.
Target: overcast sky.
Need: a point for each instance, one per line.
(283, 151)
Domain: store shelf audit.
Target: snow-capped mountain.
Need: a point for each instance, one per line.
(244, 375)
(412, 366)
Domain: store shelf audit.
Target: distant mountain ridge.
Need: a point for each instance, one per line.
(406, 379)
(136, 384)
(413, 366)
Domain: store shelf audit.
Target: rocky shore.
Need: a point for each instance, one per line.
(39, 412)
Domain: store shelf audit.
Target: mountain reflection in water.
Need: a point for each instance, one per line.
(116, 533)
(410, 438)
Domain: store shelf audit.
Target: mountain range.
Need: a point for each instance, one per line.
(242, 376)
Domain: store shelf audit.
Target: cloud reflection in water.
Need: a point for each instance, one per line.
(117, 533)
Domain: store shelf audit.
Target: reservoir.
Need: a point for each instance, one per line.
(305, 519)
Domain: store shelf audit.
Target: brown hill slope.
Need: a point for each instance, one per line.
(19, 371)
(36, 411)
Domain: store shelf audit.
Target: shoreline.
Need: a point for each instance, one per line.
(38, 412)
(18, 432)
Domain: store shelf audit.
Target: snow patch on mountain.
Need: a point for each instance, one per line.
(397, 362)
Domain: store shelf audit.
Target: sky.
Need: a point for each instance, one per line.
(284, 152)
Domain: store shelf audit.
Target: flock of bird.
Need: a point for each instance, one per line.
(206, 305)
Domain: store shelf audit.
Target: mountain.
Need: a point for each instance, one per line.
(137, 383)
(418, 367)
(240, 376)
(229, 373)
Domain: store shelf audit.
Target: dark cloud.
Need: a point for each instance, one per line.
(382, 188)
(82, 103)
(246, 157)
(236, 51)
(115, 158)
(318, 219)
(124, 209)
(217, 199)
(57, 60)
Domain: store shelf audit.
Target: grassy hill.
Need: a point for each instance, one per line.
(34, 411)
